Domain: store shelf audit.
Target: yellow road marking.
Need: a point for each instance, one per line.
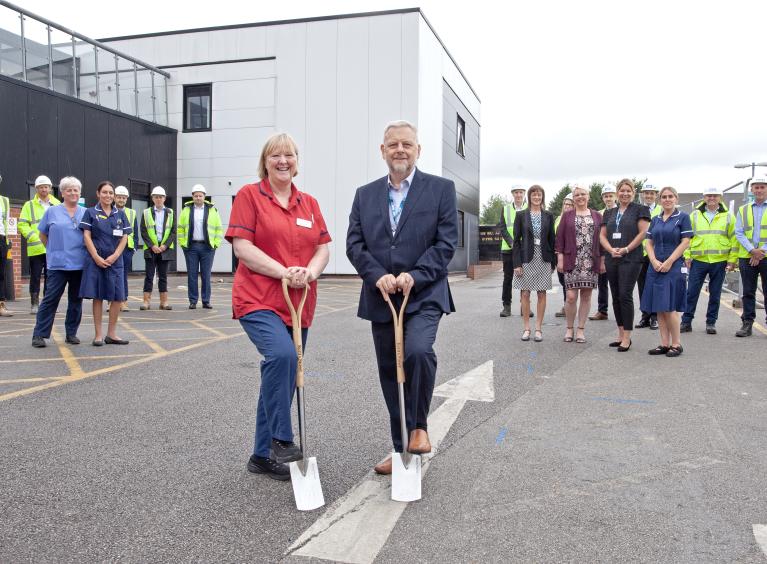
(206, 328)
(69, 359)
(23, 380)
(148, 342)
(77, 358)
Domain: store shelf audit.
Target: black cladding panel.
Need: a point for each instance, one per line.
(71, 139)
(43, 139)
(13, 141)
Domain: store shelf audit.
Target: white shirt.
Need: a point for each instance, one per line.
(159, 219)
(198, 214)
(397, 196)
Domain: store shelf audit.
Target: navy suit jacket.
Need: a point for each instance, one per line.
(423, 244)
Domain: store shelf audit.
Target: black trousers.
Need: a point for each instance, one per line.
(161, 266)
(3, 255)
(420, 369)
(750, 276)
(508, 277)
(37, 270)
(602, 293)
(622, 277)
(640, 282)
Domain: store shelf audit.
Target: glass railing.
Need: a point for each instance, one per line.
(40, 52)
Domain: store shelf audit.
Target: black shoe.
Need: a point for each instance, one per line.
(685, 327)
(97, 343)
(274, 470)
(644, 323)
(614, 344)
(206, 306)
(285, 451)
(110, 341)
(674, 351)
(711, 329)
(506, 311)
(38, 342)
(72, 340)
(744, 331)
(658, 350)
(621, 348)
(654, 324)
(192, 306)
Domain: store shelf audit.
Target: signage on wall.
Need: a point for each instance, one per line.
(13, 226)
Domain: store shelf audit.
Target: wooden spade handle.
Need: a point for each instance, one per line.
(295, 317)
(399, 335)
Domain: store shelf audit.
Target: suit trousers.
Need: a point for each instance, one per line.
(156, 263)
(622, 277)
(508, 277)
(37, 270)
(698, 272)
(199, 260)
(602, 293)
(640, 283)
(420, 369)
(3, 255)
(750, 275)
(127, 258)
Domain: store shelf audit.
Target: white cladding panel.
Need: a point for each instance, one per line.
(430, 53)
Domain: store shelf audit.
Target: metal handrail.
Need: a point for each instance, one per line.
(82, 37)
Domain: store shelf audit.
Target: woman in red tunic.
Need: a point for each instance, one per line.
(277, 233)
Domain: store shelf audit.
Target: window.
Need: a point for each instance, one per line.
(197, 107)
(460, 230)
(460, 144)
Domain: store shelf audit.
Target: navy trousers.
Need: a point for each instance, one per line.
(37, 271)
(750, 276)
(602, 294)
(274, 340)
(161, 266)
(697, 276)
(127, 258)
(420, 369)
(199, 259)
(55, 282)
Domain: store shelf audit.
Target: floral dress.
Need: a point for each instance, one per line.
(586, 273)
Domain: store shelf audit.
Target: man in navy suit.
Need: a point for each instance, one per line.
(403, 230)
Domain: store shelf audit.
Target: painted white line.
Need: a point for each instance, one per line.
(357, 525)
(760, 533)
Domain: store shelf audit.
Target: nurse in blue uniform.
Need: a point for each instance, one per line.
(105, 233)
(665, 289)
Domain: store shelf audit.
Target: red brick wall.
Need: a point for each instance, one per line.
(16, 256)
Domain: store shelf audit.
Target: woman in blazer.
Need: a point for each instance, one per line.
(533, 256)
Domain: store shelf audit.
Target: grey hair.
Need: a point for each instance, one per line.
(401, 123)
(69, 181)
(669, 189)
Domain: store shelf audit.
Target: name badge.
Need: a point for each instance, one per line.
(616, 235)
(684, 270)
(536, 242)
(303, 222)
(117, 232)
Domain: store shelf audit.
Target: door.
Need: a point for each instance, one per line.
(139, 201)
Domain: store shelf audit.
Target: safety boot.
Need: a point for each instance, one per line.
(35, 300)
(4, 311)
(506, 311)
(124, 306)
(164, 301)
(745, 329)
(145, 306)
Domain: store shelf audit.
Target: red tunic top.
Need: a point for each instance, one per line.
(289, 236)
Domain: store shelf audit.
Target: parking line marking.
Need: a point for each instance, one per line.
(69, 359)
(77, 358)
(206, 328)
(23, 380)
(151, 344)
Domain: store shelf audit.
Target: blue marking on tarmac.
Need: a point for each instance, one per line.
(501, 436)
(622, 400)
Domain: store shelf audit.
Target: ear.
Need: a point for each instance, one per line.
(383, 153)
(419, 151)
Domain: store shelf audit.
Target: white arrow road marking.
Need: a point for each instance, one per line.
(357, 525)
(760, 532)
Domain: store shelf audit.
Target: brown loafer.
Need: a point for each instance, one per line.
(598, 316)
(384, 468)
(419, 442)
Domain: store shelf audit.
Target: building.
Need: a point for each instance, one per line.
(332, 82)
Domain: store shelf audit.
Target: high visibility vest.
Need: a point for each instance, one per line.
(747, 221)
(556, 223)
(29, 219)
(150, 227)
(715, 241)
(656, 211)
(131, 215)
(509, 213)
(5, 212)
(214, 229)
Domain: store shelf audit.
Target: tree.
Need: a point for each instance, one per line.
(491, 210)
(555, 205)
(595, 196)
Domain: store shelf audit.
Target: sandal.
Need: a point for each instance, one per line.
(538, 336)
(580, 340)
(568, 338)
(526, 335)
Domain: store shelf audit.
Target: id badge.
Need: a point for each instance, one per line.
(537, 242)
(117, 232)
(616, 235)
(303, 222)
(684, 270)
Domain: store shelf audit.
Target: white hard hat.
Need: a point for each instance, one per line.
(158, 191)
(199, 188)
(608, 189)
(43, 180)
(569, 196)
(758, 180)
(121, 191)
(649, 188)
(712, 192)
(517, 187)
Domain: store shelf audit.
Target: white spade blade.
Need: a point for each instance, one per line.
(405, 482)
(307, 488)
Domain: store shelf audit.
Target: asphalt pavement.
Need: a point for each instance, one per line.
(584, 454)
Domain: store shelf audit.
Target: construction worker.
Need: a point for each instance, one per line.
(567, 204)
(121, 199)
(199, 235)
(713, 250)
(649, 197)
(158, 230)
(30, 217)
(751, 233)
(5, 245)
(608, 199)
(506, 226)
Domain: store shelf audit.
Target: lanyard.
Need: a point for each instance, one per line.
(618, 217)
(396, 211)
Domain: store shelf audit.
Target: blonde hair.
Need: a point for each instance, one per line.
(628, 182)
(281, 142)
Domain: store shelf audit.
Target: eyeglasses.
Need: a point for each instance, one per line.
(667, 197)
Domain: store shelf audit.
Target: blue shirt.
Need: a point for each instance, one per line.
(666, 235)
(65, 249)
(106, 231)
(397, 199)
(759, 210)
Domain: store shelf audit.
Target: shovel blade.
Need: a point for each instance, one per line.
(405, 480)
(307, 488)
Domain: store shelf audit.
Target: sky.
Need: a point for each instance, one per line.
(673, 91)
